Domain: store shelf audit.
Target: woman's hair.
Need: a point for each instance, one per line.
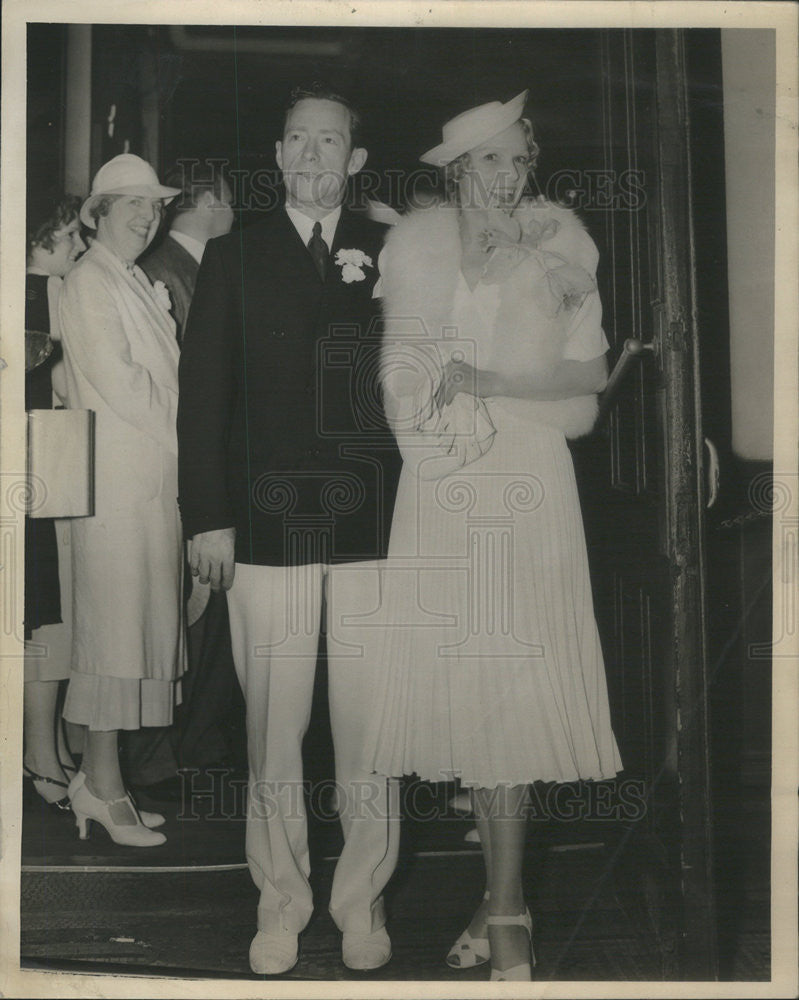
(46, 218)
(455, 169)
(100, 208)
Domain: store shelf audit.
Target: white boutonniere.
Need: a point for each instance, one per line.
(352, 263)
(161, 293)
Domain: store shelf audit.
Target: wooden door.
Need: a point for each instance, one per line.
(642, 500)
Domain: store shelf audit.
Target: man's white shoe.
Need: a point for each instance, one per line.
(273, 954)
(366, 951)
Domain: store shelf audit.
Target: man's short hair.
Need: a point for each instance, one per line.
(194, 177)
(321, 92)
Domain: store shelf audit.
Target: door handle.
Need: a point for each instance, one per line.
(713, 473)
(631, 350)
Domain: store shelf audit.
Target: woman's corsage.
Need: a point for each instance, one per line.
(161, 293)
(352, 263)
(568, 283)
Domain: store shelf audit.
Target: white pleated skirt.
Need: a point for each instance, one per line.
(491, 668)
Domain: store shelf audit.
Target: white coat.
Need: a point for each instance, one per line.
(120, 360)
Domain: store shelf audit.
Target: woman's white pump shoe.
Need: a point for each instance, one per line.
(88, 807)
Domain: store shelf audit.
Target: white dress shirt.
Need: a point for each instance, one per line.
(195, 247)
(304, 225)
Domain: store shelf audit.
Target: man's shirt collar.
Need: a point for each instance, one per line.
(304, 225)
(195, 247)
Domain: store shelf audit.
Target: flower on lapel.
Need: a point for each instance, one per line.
(352, 263)
(162, 295)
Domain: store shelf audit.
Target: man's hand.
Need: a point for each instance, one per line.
(211, 557)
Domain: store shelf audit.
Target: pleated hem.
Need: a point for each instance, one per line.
(434, 776)
(105, 704)
(491, 665)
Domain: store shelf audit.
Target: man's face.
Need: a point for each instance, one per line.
(315, 155)
(222, 211)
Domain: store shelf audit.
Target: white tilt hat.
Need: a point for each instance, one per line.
(125, 174)
(467, 130)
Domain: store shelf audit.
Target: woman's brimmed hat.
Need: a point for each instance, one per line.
(473, 127)
(125, 174)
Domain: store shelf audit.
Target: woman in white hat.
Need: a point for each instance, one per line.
(493, 666)
(120, 360)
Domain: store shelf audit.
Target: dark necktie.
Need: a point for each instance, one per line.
(319, 250)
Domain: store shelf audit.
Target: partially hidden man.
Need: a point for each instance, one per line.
(287, 480)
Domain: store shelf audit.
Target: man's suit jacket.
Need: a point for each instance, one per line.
(280, 422)
(175, 266)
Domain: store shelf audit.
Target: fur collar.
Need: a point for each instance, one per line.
(537, 297)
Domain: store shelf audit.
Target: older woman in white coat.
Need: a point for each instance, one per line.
(120, 358)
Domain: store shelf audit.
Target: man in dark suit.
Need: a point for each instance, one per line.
(202, 211)
(287, 480)
(197, 738)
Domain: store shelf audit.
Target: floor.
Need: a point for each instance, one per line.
(188, 908)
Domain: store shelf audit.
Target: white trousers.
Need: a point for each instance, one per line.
(275, 615)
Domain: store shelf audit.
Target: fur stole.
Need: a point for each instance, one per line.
(545, 282)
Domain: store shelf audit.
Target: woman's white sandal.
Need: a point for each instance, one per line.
(468, 951)
(523, 972)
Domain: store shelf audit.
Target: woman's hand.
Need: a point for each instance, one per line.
(459, 376)
(565, 380)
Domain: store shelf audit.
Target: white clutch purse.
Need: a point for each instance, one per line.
(449, 438)
(60, 463)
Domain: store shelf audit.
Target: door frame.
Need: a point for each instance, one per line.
(680, 359)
